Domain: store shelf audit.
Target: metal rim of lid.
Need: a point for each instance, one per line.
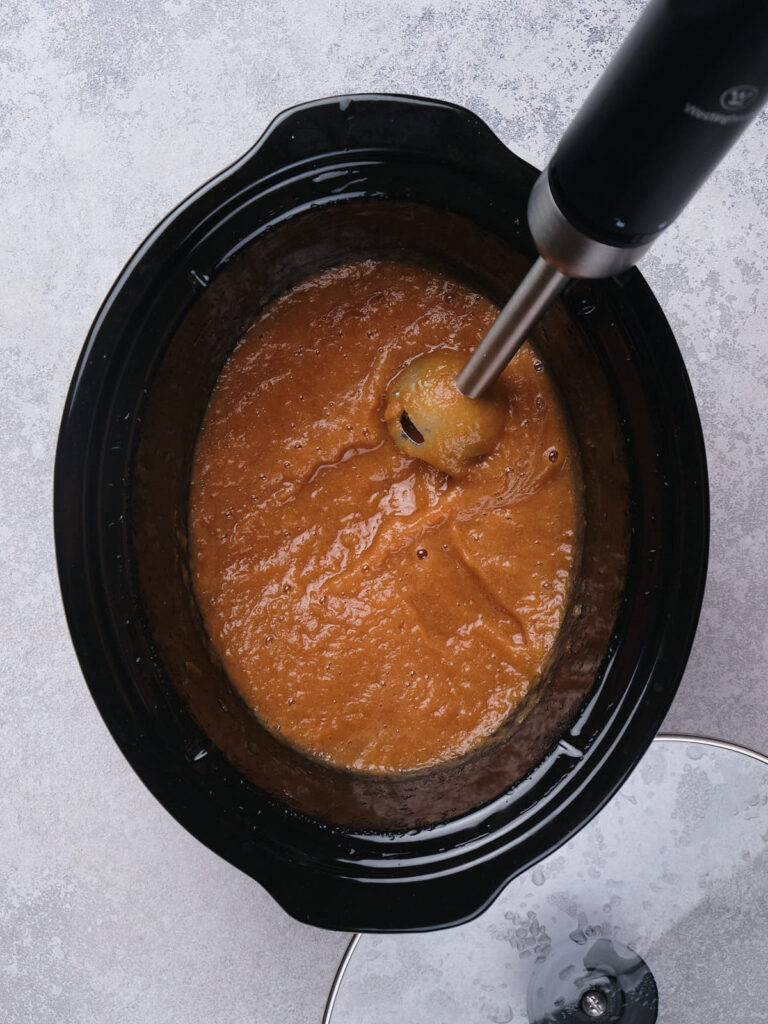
(705, 741)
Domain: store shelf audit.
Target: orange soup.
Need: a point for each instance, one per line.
(371, 610)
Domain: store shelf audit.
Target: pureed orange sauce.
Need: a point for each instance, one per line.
(371, 610)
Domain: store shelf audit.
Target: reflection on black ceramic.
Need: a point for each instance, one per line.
(364, 176)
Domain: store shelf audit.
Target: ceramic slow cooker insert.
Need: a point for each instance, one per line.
(345, 178)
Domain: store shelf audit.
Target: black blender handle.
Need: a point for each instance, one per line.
(685, 84)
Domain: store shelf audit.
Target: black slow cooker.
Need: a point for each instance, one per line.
(338, 179)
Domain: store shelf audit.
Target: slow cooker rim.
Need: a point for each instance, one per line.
(64, 529)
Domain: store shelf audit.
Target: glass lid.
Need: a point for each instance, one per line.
(657, 910)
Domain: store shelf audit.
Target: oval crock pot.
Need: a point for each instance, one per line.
(345, 178)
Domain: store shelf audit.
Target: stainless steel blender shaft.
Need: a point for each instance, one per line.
(565, 252)
(539, 287)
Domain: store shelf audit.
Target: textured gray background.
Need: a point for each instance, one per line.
(110, 113)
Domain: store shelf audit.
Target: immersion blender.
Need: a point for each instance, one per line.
(684, 85)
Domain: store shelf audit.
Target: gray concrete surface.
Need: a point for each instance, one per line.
(110, 113)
